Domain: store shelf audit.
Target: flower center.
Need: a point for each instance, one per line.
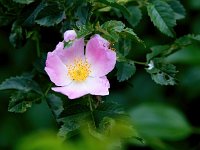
(79, 71)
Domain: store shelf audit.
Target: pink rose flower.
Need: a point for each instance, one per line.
(76, 72)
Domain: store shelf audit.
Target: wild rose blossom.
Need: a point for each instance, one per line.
(76, 72)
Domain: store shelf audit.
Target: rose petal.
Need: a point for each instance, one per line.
(76, 50)
(101, 58)
(69, 35)
(94, 86)
(59, 47)
(56, 70)
(73, 90)
(98, 86)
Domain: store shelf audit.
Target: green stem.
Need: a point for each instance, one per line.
(47, 90)
(91, 110)
(49, 105)
(131, 61)
(139, 63)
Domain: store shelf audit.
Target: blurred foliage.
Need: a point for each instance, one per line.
(153, 39)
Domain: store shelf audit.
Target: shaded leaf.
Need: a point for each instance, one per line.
(20, 101)
(125, 70)
(157, 51)
(114, 4)
(16, 36)
(107, 109)
(130, 34)
(166, 50)
(71, 123)
(31, 18)
(162, 73)
(23, 1)
(55, 103)
(187, 40)
(161, 15)
(68, 129)
(135, 15)
(82, 14)
(120, 128)
(160, 121)
(178, 9)
(124, 46)
(50, 15)
(23, 83)
(9, 11)
(78, 113)
(74, 115)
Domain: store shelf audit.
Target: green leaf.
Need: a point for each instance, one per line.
(74, 115)
(85, 30)
(162, 73)
(124, 46)
(135, 15)
(107, 109)
(178, 9)
(23, 83)
(125, 70)
(82, 14)
(16, 37)
(166, 50)
(55, 103)
(110, 109)
(69, 129)
(111, 29)
(187, 40)
(113, 25)
(9, 11)
(160, 121)
(78, 113)
(130, 34)
(114, 4)
(31, 19)
(157, 51)
(117, 128)
(194, 37)
(161, 15)
(50, 15)
(20, 101)
(23, 1)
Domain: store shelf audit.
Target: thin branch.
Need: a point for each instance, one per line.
(91, 110)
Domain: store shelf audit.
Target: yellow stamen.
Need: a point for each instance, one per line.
(79, 71)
